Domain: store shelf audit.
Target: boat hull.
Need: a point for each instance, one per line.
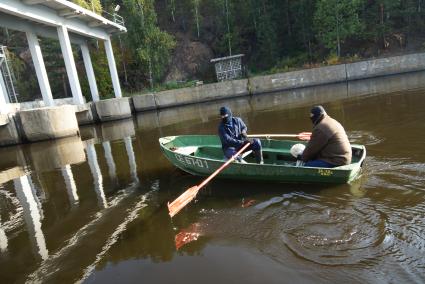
(289, 173)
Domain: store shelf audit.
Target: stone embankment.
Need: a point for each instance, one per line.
(29, 122)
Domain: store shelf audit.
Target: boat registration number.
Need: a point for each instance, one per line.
(190, 161)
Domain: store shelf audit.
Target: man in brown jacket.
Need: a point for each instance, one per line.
(328, 146)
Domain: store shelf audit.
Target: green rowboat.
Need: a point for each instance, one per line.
(202, 155)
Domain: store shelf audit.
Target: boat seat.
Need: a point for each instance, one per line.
(188, 150)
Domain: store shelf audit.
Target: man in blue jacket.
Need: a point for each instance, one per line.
(233, 135)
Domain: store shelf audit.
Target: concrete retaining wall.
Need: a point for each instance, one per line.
(343, 73)
(185, 96)
(48, 123)
(113, 109)
(9, 134)
(298, 79)
(86, 113)
(385, 66)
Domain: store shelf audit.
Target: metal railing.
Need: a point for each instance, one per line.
(8, 76)
(114, 18)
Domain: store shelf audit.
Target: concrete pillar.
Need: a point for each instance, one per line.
(109, 159)
(32, 215)
(97, 174)
(40, 69)
(113, 68)
(71, 69)
(4, 99)
(71, 188)
(131, 158)
(90, 73)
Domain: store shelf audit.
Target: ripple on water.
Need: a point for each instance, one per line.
(364, 137)
(313, 228)
(334, 236)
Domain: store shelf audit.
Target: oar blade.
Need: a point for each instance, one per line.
(180, 202)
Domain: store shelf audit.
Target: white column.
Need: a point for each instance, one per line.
(113, 68)
(71, 188)
(32, 214)
(131, 158)
(109, 159)
(90, 73)
(71, 69)
(97, 174)
(4, 99)
(40, 69)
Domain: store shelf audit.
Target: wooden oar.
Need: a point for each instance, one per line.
(301, 136)
(187, 196)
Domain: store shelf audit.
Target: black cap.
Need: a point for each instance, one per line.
(225, 111)
(317, 113)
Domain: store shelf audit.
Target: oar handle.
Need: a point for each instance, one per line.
(302, 135)
(223, 166)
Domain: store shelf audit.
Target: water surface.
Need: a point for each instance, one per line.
(92, 209)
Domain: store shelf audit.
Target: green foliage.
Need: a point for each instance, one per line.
(152, 47)
(92, 5)
(336, 20)
(274, 35)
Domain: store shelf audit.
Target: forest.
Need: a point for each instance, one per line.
(169, 43)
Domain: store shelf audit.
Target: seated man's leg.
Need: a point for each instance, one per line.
(229, 152)
(256, 147)
(318, 164)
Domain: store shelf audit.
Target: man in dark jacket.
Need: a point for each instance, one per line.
(328, 146)
(233, 135)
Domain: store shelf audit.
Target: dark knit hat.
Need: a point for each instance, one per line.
(225, 111)
(316, 113)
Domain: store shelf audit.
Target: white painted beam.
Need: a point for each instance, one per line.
(71, 69)
(90, 73)
(14, 23)
(113, 68)
(34, 2)
(47, 16)
(40, 69)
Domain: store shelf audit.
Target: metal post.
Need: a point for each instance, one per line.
(113, 68)
(90, 73)
(40, 69)
(71, 69)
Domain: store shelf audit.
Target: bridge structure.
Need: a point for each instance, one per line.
(68, 23)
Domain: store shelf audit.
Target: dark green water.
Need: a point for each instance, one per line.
(93, 209)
